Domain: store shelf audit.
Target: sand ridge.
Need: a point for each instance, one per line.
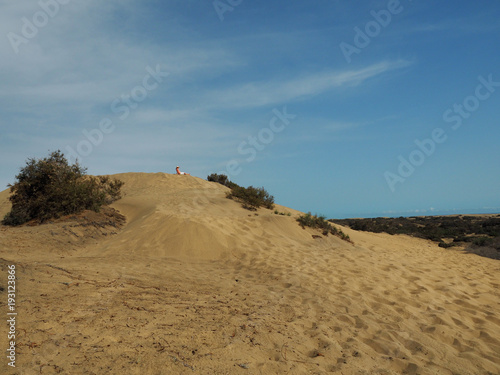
(195, 284)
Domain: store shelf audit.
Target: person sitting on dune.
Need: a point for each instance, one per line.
(179, 172)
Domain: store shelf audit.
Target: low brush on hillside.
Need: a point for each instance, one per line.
(250, 197)
(50, 188)
(477, 234)
(320, 223)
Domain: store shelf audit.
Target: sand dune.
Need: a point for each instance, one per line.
(195, 284)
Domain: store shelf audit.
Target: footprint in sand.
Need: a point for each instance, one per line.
(287, 313)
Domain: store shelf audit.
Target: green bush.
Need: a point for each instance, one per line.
(482, 241)
(446, 245)
(314, 221)
(49, 188)
(320, 223)
(276, 212)
(251, 197)
(221, 179)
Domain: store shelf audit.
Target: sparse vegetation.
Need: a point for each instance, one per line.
(472, 232)
(250, 197)
(50, 188)
(276, 212)
(320, 223)
(221, 179)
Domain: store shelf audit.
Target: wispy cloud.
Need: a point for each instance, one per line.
(258, 94)
(457, 27)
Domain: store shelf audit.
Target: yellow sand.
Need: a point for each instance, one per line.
(195, 284)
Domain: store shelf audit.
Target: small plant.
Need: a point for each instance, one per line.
(49, 188)
(251, 197)
(320, 223)
(482, 241)
(446, 245)
(276, 212)
(221, 179)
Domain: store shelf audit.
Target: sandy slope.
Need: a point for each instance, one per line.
(194, 284)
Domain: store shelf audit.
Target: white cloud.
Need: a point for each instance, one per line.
(340, 125)
(80, 57)
(64, 80)
(259, 94)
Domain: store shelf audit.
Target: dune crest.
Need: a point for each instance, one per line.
(188, 218)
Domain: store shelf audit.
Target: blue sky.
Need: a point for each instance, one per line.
(342, 108)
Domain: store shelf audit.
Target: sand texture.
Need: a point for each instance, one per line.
(195, 284)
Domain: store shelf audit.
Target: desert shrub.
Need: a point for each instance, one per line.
(475, 233)
(276, 212)
(314, 221)
(446, 245)
(482, 241)
(251, 197)
(460, 238)
(49, 188)
(221, 179)
(323, 225)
